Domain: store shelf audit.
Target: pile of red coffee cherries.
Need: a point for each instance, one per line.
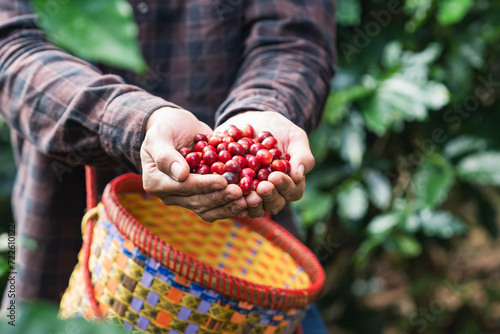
(237, 155)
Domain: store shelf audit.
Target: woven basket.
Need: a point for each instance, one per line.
(162, 269)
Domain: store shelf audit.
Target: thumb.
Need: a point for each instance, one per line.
(301, 157)
(169, 161)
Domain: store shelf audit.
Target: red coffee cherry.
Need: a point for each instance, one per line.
(246, 184)
(235, 149)
(263, 135)
(278, 166)
(253, 163)
(221, 147)
(256, 147)
(215, 140)
(224, 156)
(198, 147)
(218, 168)
(208, 148)
(202, 170)
(245, 143)
(233, 166)
(200, 137)
(265, 157)
(276, 153)
(241, 160)
(184, 151)
(235, 133)
(248, 131)
(231, 178)
(263, 174)
(247, 172)
(270, 142)
(209, 157)
(193, 159)
(255, 184)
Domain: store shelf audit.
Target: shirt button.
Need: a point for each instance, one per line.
(143, 8)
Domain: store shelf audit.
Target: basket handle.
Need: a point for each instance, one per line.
(88, 230)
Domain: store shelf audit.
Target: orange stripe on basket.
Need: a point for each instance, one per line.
(163, 319)
(122, 260)
(107, 264)
(112, 284)
(174, 295)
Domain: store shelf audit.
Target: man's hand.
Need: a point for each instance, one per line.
(272, 195)
(166, 173)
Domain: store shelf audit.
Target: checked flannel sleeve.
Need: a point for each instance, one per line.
(287, 62)
(62, 104)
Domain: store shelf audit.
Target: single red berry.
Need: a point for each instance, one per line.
(233, 166)
(278, 166)
(198, 147)
(255, 148)
(235, 133)
(276, 153)
(241, 160)
(247, 172)
(263, 174)
(253, 163)
(208, 148)
(263, 135)
(248, 131)
(245, 143)
(184, 151)
(227, 139)
(286, 156)
(193, 159)
(247, 156)
(209, 157)
(221, 147)
(215, 140)
(225, 156)
(270, 142)
(217, 168)
(265, 157)
(287, 165)
(235, 149)
(200, 137)
(246, 184)
(203, 169)
(231, 178)
(255, 184)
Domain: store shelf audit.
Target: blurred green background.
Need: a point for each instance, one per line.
(401, 207)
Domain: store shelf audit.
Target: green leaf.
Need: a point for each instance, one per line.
(453, 11)
(441, 224)
(338, 103)
(480, 168)
(4, 266)
(379, 188)
(348, 12)
(103, 31)
(462, 145)
(405, 245)
(352, 202)
(314, 206)
(381, 225)
(41, 318)
(433, 182)
(352, 145)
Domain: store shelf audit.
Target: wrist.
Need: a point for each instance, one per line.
(158, 113)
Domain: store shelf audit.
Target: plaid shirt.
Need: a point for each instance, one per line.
(212, 57)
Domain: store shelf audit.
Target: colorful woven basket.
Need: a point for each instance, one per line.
(162, 269)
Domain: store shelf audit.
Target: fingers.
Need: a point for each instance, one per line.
(286, 187)
(255, 205)
(204, 202)
(272, 201)
(233, 209)
(302, 160)
(162, 185)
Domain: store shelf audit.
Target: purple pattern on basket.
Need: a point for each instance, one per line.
(184, 313)
(136, 304)
(153, 298)
(195, 293)
(153, 264)
(173, 332)
(142, 323)
(97, 270)
(191, 329)
(147, 279)
(127, 326)
(107, 242)
(253, 252)
(203, 307)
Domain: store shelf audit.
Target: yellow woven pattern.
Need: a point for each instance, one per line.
(229, 247)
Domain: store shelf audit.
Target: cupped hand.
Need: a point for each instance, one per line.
(166, 173)
(272, 195)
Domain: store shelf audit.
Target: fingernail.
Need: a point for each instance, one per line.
(176, 170)
(301, 170)
(217, 186)
(243, 214)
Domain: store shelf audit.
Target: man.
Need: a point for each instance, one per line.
(263, 62)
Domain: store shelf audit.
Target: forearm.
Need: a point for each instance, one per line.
(62, 104)
(288, 61)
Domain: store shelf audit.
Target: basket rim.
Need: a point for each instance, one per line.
(207, 276)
